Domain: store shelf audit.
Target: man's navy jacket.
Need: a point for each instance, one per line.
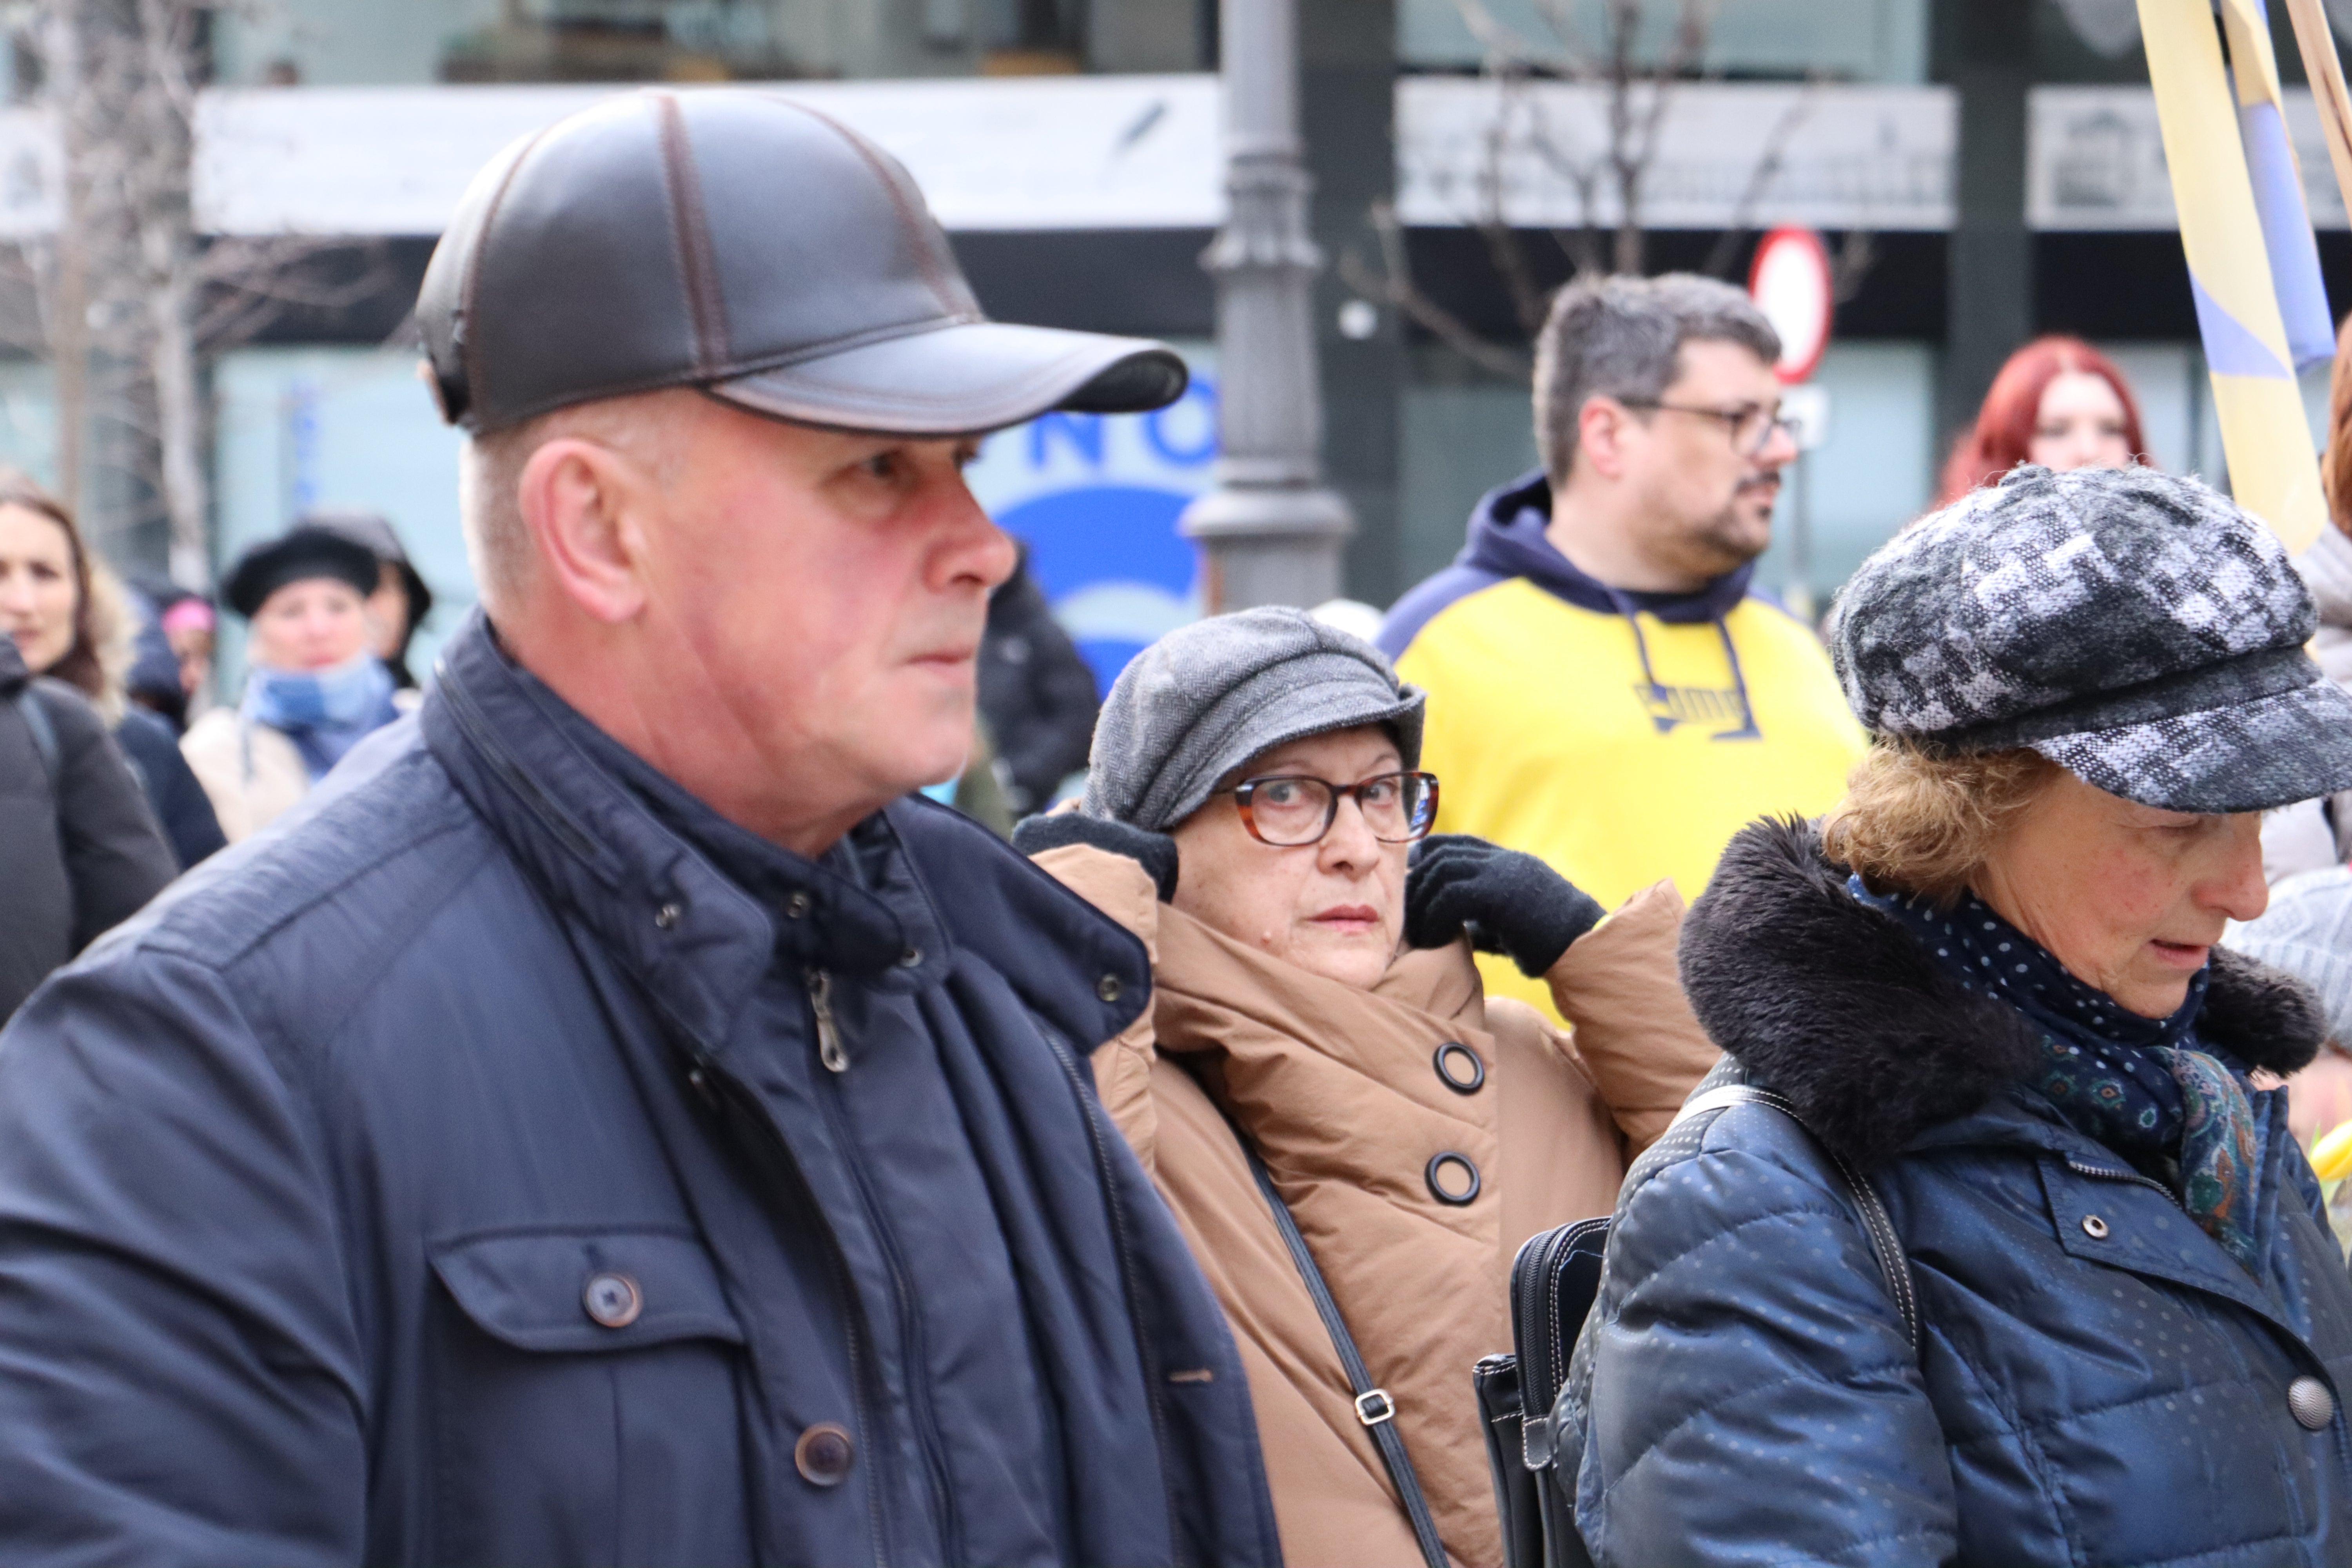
(455, 1177)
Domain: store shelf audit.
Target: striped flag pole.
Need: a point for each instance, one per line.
(2253, 266)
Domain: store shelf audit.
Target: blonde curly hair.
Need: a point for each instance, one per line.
(1918, 821)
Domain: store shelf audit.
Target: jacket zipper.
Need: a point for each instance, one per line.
(828, 1034)
(729, 1092)
(835, 1054)
(2134, 1177)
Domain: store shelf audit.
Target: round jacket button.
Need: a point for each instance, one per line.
(1109, 988)
(2311, 1403)
(2094, 1227)
(1460, 1067)
(825, 1454)
(612, 1300)
(1452, 1179)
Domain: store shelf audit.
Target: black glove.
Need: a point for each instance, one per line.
(1509, 901)
(1155, 852)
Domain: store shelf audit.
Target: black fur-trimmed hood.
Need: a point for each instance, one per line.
(1832, 1003)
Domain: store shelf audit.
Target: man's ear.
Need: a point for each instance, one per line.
(585, 505)
(1602, 427)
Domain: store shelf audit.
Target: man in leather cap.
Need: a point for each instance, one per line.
(613, 1120)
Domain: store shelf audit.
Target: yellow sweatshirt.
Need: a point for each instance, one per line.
(1622, 748)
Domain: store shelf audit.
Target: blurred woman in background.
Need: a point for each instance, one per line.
(400, 601)
(71, 620)
(314, 687)
(2058, 403)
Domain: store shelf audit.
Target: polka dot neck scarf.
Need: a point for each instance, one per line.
(2146, 1089)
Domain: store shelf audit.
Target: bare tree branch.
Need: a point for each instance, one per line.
(1610, 59)
(1769, 163)
(1395, 285)
(126, 299)
(1857, 253)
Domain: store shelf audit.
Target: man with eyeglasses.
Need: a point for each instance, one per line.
(1605, 689)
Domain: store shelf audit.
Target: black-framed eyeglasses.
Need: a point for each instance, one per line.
(1287, 810)
(1750, 424)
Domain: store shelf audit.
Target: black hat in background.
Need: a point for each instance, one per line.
(732, 239)
(296, 556)
(374, 531)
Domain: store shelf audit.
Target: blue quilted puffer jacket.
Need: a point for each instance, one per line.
(2096, 1381)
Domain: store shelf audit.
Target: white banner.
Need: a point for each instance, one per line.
(2096, 161)
(1073, 152)
(32, 178)
(1143, 151)
(1847, 157)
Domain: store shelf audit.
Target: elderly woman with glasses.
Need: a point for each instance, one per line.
(1354, 1139)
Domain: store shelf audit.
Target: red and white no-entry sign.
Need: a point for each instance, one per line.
(1789, 281)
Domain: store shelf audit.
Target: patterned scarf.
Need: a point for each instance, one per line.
(2147, 1089)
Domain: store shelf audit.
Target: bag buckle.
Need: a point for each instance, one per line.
(1374, 1407)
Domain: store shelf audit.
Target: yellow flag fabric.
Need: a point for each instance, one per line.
(2273, 468)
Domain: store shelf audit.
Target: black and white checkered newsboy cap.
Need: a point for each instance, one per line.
(2134, 628)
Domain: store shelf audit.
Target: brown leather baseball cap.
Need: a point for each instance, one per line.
(735, 240)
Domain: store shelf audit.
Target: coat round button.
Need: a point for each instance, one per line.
(2308, 1399)
(2094, 1227)
(1459, 1066)
(825, 1454)
(612, 1300)
(1452, 1178)
(1109, 988)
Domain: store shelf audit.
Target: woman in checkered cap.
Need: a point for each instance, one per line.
(2098, 1316)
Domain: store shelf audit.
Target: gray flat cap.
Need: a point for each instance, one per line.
(735, 240)
(2134, 628)
(1207, 698)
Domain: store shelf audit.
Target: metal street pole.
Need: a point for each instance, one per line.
(1271, 532)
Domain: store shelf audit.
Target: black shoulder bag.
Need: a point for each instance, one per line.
(1554, 1281)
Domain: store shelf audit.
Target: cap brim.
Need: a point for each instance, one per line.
(964, 379)
(2246, 756)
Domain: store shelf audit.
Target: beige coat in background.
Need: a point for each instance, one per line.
(249, 786)
(1338, 1090)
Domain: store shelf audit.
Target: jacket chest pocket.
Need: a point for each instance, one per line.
(586, 1397)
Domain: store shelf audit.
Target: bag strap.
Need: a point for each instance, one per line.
(1374, 1408)
(1884, 1245)
(45, 732)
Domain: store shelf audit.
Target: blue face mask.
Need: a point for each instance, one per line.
(325, 712)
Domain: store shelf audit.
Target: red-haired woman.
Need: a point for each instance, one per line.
(2058, 402)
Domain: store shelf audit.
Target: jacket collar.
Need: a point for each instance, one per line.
(1834, 1005)
(1508, 539)
(605, 843)
(14, 676)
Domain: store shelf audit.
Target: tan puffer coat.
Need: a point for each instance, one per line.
(1339, 1091)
